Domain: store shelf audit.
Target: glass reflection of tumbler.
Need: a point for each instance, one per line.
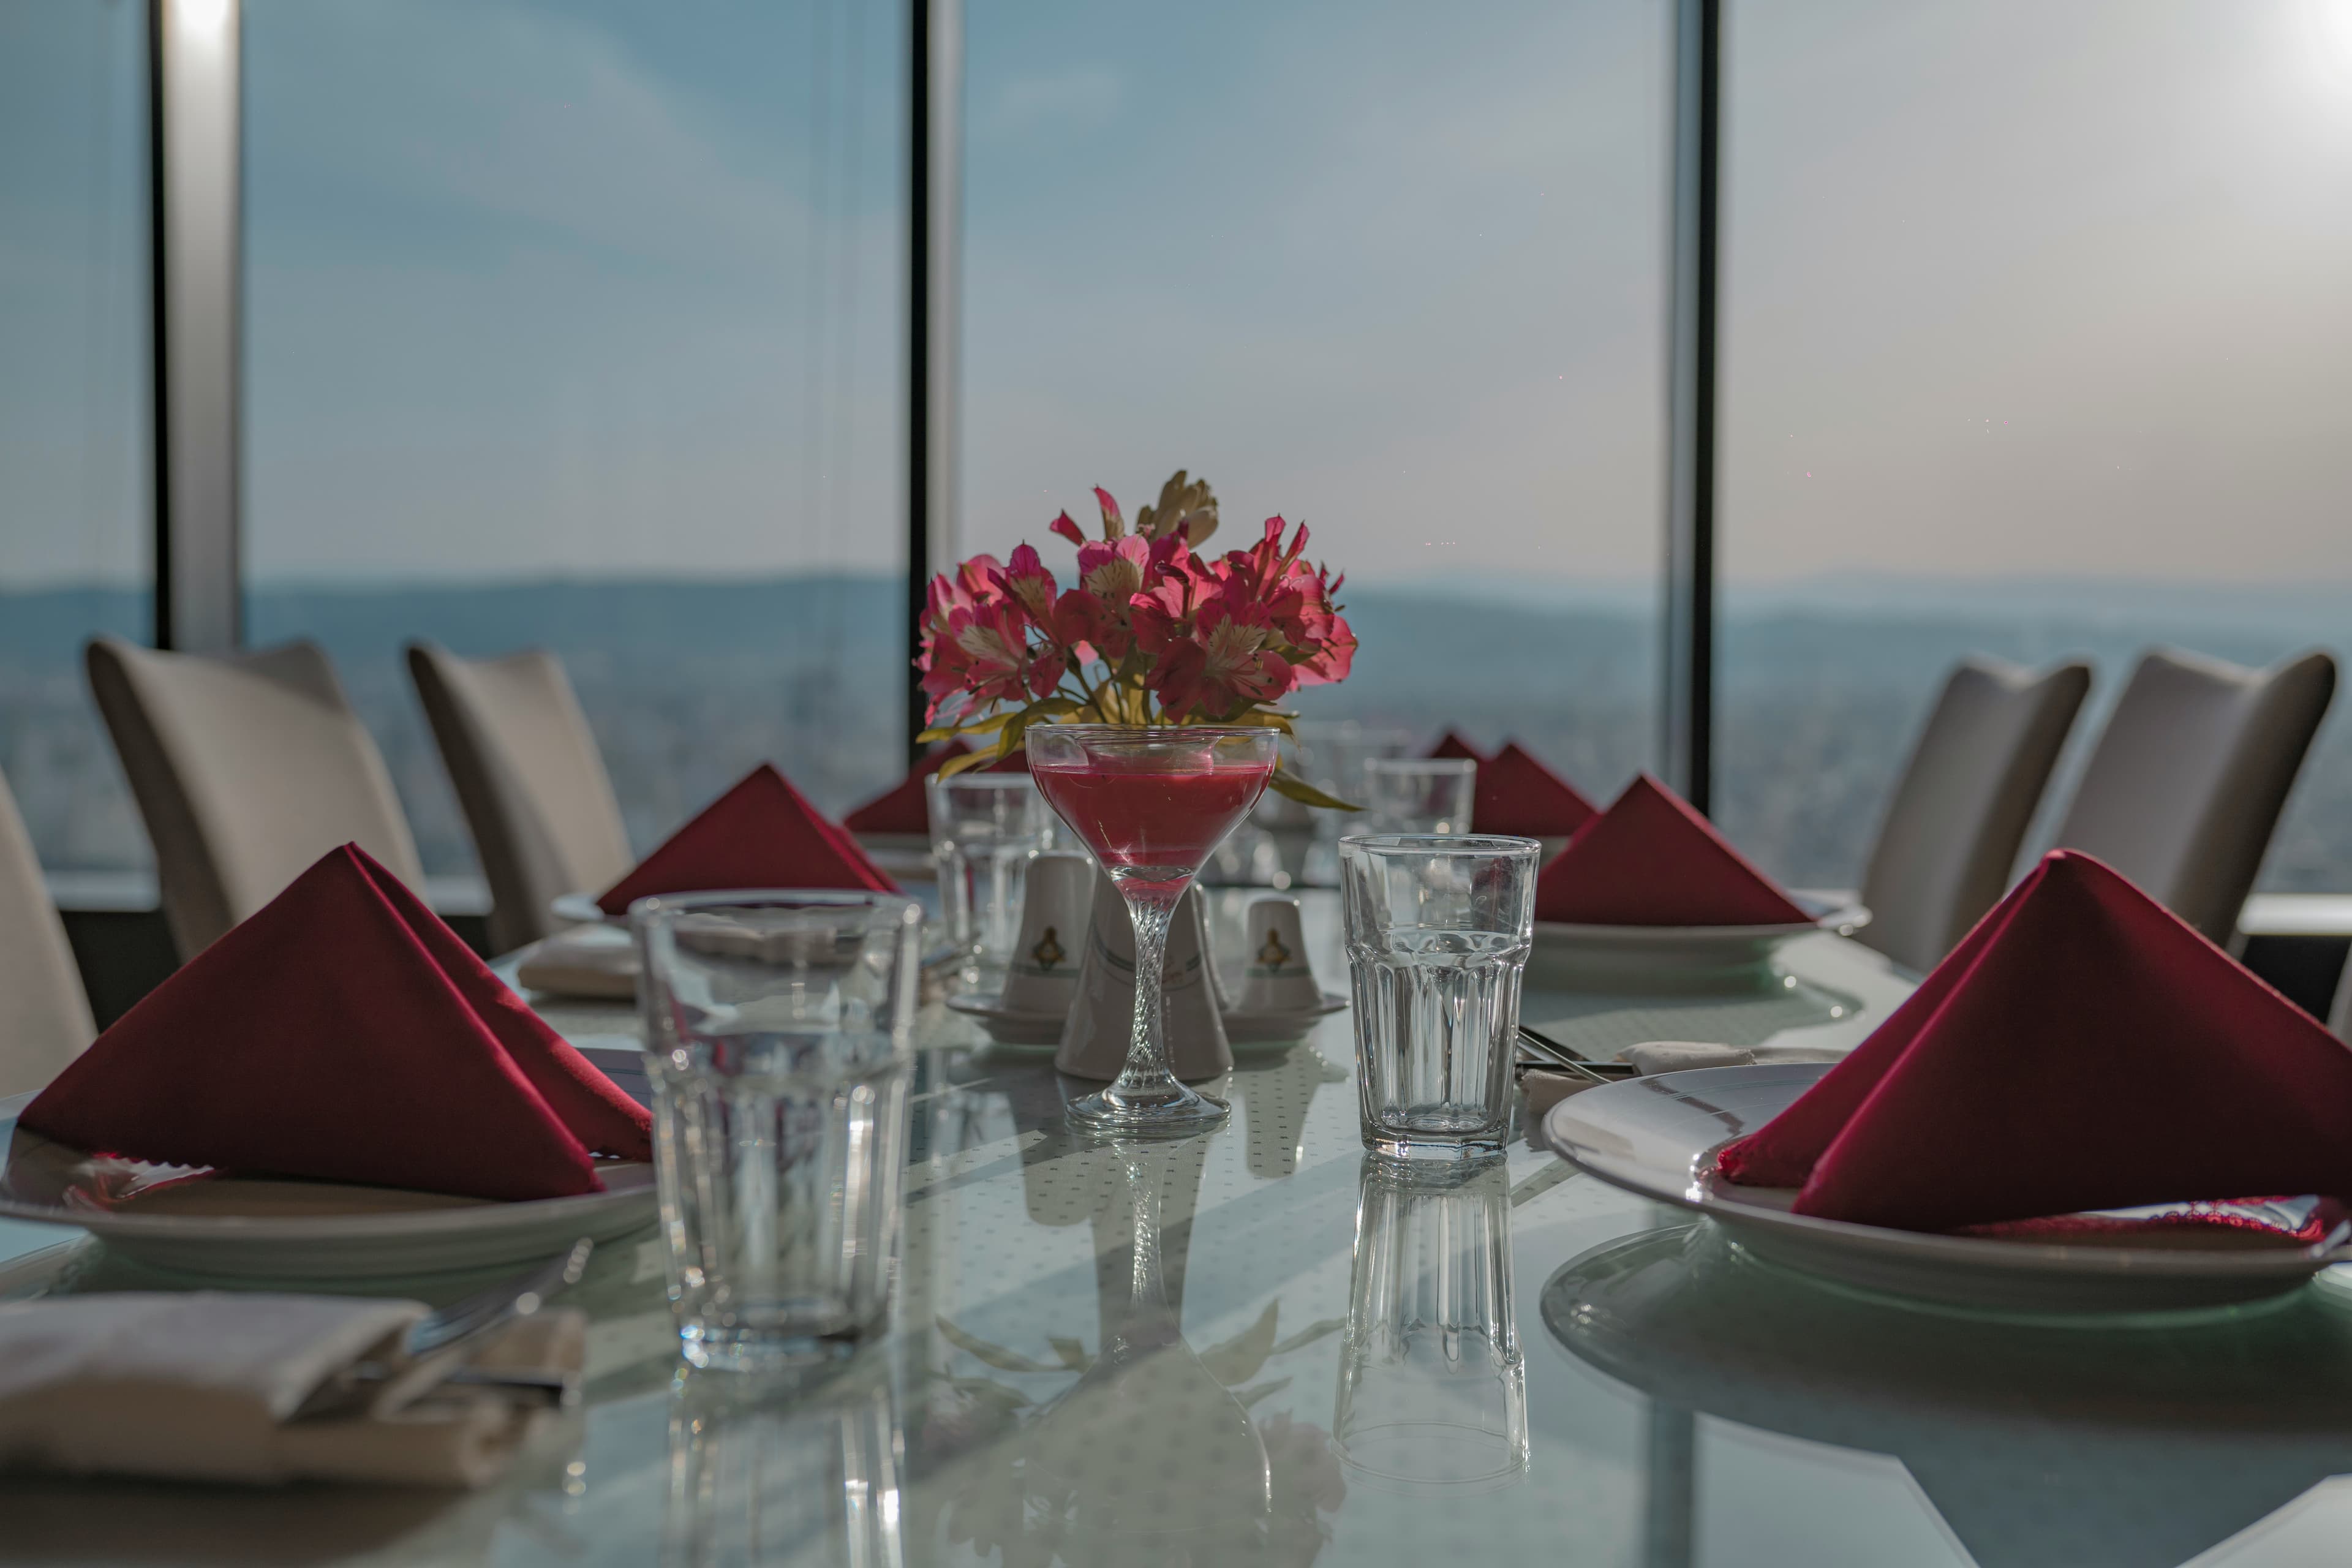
(764, 1470)
(1433, 1389)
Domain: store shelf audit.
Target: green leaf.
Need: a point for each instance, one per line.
(997, 1356)
(1310, 1334)
(979, 726)
(1287, 783)
(1239, 1358)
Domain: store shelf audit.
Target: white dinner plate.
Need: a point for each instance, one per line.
(198, 1221)
(1044, 1029)
(1626, 957)
(581, 909)
(1659, 1136)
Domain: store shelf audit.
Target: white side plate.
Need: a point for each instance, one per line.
(199, 1221)
(1621, 957)
(1658, 1137)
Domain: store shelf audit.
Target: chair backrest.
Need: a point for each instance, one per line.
(2188, 777)
(45, 1018)
(246, 768)
(529, 779)
(1959, 812)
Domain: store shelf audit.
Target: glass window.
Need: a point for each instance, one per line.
(74, 495)
(579, 325)
(1393, 269)
(2035, 335)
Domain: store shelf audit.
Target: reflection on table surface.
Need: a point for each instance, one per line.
(1254, 1348)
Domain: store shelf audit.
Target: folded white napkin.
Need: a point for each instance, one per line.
(585, 961)
(205, 1386)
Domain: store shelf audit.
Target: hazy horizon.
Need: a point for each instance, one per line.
(2007, 287)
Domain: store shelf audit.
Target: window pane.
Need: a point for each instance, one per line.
(2035, 329)
(1393, 269)
(579, 325)
(74, 502)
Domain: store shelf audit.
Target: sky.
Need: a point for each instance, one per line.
(2040, 287)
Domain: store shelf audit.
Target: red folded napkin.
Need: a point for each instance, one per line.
(344, 1033)
(1651, 861)
(1452, 747)
(903, 808)
(1520, 796)
(760, 834)
(2081, 1049)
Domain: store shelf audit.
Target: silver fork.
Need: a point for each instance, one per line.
(436, 1344)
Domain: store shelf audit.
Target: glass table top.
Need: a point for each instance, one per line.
(1251, 1347)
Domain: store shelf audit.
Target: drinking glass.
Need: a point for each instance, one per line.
(1151, 802)
(1419, 794)
(985, 827)
(1437, 932)
(1432, 1389)
(777, 1039)
(1330, 754)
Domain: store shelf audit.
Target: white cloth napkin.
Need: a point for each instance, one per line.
(204, 1386)
(585, 961)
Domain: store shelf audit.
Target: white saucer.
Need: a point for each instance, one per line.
(1011, 1028)
(1622, 956)
(1289, 1023)
(200, 1222)
(1658, 1137)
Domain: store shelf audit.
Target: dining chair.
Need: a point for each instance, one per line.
(44, 1017)
(2184, 787)
(529, 779)
(246, 767)
(1961, 807)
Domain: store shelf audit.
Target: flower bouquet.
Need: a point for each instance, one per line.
(1153, 632)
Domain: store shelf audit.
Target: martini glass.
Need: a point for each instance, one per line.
(1152, 803)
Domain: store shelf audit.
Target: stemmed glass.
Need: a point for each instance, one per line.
(1152, 803)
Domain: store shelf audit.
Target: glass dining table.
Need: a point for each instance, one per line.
(1256, 1346)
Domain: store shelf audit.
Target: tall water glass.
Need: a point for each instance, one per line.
(777, 1038)
(1419, 794)
(985, 827)
(1331, 754)
(1437, 931)
(1433, 1389)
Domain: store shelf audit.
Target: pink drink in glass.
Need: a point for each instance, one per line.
(1149, 821)
(1152, 803)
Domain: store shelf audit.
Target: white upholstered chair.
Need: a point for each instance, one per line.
(2185, 786)
(246, 768)
(1961, 808)
(529, 779)
(45, 1019)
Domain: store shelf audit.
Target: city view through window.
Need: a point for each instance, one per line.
(606, 353)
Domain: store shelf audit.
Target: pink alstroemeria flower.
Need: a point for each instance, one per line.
(1024, 580)
(1226, 664)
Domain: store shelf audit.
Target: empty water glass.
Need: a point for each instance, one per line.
(1437, 932)
(985, 827)
(1433, 1389)
(1419, 794)
(1330, 754)
(778, 1043)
